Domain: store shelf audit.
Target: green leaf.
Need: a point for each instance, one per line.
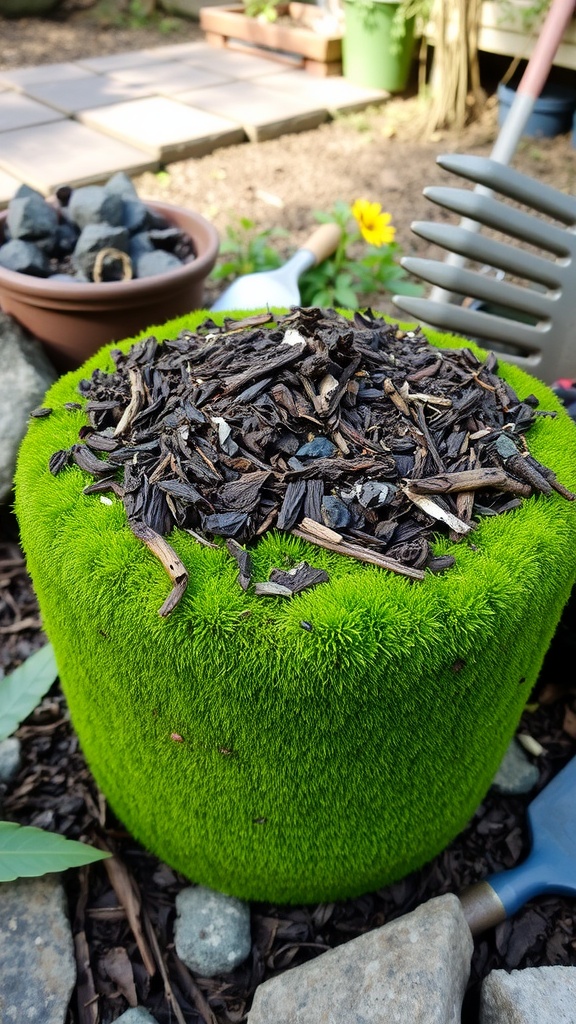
(26, 852)
(21, 691)
(345, 295)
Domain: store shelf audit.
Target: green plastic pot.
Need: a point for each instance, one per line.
(371, 56)
(275, 762)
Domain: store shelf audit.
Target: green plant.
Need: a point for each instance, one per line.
(132, 14)
(405, 11)
(245, 250)
(528, 14)
(354, 272)
(265, 10)
(28, 851)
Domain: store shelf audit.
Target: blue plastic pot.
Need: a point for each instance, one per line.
(552, 114)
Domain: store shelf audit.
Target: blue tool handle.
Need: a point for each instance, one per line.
(515, 887)
(499, 896)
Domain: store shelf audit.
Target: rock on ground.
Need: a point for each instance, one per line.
(26, 376)
(516, 774)
(10, 754)
(414, 969)
(212, 931)
(536, 995)
(136, 1015)
(37, 966)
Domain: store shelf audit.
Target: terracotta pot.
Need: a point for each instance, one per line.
(75, 320)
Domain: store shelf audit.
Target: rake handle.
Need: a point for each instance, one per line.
(529, 88)
(545, 47)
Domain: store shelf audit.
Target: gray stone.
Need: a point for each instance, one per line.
(136, 1015)
(135, 215)
(69, 278)
(32, 219)
(26, 190)
(414, 969)
(139, 244)
(516, 774)
(212, 931)
(9, 758)
(93, 238)
(37, 966)
(66, 237)
(156, 262)
(122, 185)
(166, 238)
(335, 513)
(24, 258)
(536, 995)
(26, 376)
(93, 204)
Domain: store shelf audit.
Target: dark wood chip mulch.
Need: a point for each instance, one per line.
(132, 958)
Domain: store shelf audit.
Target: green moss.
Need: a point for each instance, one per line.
(313, 764)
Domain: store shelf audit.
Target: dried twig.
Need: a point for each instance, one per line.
(470, 480)
(332, 541)
(153, 940)
(191, 988)
(125, 889)
(165, 554)
(137, 398)
(86, 995)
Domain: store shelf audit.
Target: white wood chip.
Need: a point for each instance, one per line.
(433, 509)
(530, 744)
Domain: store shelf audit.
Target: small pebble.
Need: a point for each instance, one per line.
(10, 755)
(212, 931)
(319, 448)
(136, 1015)
(516, 774)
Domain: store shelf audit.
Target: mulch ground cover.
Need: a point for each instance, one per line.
(122, 912)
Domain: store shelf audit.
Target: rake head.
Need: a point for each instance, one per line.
(527, 312)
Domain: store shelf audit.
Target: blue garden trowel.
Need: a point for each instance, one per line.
(550, 866)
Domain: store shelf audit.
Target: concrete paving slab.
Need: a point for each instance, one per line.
(262, 113)
(68, 153)
(117, 61)
(166, 129)
(335, 93)
(237, 64)
(169, 77)
(17, 111)
(180, 51)
(92, 91)
(8, 187)
(19, 78)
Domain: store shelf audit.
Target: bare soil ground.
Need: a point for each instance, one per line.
(385, 155)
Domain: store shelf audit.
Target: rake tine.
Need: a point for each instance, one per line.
(488, 251)
(511, 183)
(501, 217)
(478, 286)
(474, 324)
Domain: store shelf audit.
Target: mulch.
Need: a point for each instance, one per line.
(122, 915)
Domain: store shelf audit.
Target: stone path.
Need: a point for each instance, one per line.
(77, 123)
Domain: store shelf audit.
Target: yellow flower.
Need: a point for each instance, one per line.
(374, 225)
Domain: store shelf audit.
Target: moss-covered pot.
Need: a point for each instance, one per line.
(276, 762)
